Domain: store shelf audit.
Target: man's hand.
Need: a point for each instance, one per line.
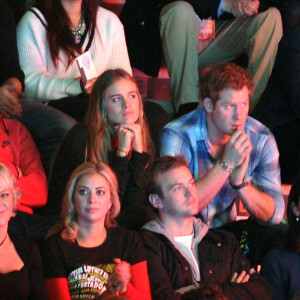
(9, 98)
(238, 174)
(237, 149)
(241, 8)
(240, 278)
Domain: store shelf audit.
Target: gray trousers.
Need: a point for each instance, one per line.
(257, 36)
(47, 125)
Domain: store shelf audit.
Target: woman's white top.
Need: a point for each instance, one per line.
(44, 81)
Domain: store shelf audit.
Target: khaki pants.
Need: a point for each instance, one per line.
(257, 36)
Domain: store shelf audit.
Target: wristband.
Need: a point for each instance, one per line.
(240, 186)
(224, 165)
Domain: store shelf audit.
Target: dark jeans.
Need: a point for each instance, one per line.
(47, 126)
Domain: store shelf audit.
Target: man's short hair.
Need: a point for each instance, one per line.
(216, 78)
(159, 166)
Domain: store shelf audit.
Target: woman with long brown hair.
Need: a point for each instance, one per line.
(52, 35)
(115, 132)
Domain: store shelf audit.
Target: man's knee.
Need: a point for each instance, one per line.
(178, 12)
(272, 18)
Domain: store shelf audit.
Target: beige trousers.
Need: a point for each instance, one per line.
(257, 36)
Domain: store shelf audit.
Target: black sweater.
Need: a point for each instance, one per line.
(72, 153)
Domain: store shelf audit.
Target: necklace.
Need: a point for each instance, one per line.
(3, 240)
(79, 31)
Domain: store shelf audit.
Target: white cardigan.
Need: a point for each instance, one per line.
(44, 81)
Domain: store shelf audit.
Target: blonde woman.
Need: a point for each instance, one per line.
(20, 263)
(115, 132)
(90, 255)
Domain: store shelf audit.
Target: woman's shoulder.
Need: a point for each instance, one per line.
(32, 16)
(127, 243)
(121, 231)
(77, 135)
(123, 237)
(26, 248)
(21, 241)
(105, 17)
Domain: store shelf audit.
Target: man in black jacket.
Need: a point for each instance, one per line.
(184, 255)
(174, 27)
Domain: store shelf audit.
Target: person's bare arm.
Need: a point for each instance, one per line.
(235, 152)
(259, 204)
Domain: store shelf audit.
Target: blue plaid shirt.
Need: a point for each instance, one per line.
(187, 136)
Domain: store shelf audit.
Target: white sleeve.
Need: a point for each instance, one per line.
(43, 81)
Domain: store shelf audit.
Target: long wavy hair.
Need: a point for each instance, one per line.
(8, 181)
(69, 227)
(293, 234)
(59, 36)
(101, 130)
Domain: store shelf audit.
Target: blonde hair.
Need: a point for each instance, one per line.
(101, 130)
(70, 227)
(8, 181)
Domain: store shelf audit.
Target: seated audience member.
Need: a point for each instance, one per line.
(91, 254)
(171, 29)
(20, 155)
(183, 253)
(21, 275)
(47, 125)
(52, 35)
(115, 132)
(281, 266)
(231, 156)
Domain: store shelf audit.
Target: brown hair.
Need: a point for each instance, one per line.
(101, 130)
(158, 166)
(222, 76)
(59, 35)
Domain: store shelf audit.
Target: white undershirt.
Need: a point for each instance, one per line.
(185, 243)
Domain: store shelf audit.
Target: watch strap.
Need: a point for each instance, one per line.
(240, 186)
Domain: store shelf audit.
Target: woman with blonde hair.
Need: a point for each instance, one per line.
(115, 132)
(91, 255)
(21, 274)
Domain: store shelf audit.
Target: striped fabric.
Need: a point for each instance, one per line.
(187, 136)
